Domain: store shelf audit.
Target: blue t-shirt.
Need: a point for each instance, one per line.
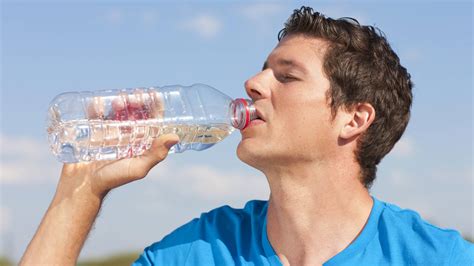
(227, 236)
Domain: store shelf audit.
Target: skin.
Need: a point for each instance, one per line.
(307, 157)
(317, 204)
(76, 203)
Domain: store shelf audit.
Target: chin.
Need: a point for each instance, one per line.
(243, 151)
(253, 155)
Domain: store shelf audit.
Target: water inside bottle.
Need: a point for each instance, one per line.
(91, 140)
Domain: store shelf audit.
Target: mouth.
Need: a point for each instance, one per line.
(258, 120)
(260, 116)
(255, 122)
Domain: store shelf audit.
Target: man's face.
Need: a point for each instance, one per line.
(290, 97)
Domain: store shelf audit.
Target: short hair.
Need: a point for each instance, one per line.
(361, 67)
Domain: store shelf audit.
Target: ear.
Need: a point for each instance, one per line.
(359, 120)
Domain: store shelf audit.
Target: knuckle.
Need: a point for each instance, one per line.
(141, 173)
(162, 156)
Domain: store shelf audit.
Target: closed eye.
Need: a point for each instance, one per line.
(285, 78)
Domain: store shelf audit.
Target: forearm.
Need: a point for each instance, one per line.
(81, 190)
(64, 228)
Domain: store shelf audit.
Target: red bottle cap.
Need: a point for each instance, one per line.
(243, 111)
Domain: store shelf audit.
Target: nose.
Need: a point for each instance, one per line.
(258, 86)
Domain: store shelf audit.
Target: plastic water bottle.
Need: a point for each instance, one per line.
(114, 124)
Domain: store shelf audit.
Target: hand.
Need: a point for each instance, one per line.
(99, 177)
(82, 186)
(81, 189)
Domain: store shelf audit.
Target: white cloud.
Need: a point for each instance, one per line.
(116, 16)
(398, 179)
(265, 17)
(210, 183)
(21, 146)
(172, 193)
(405, 147)
(26, 161)
(431, 190)
(205, 182)
(206, 26)
(261, 11)
(337, 11)
(113, 16)
(149, 17)
(29, 161)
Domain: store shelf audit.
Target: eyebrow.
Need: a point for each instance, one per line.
(287, 62)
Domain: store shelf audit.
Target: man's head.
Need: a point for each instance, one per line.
(327, 83)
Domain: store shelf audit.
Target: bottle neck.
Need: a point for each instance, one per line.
(242, 112)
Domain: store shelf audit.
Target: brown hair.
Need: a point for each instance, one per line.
(361, 67)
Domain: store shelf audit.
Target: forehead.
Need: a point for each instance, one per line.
(300, 49)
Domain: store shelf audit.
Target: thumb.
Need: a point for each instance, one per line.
(139, 167)
(159, 150)
(127, 170)
(110, 175)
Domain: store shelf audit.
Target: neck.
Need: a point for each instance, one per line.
(315, 212)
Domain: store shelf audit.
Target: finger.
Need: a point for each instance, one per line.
(158, 151)
(119, 107)
(137, 106)
(157, 104)
(127, 170)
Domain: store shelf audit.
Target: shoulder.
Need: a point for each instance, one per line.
(215, 231)
(225, 214)
(405, 232)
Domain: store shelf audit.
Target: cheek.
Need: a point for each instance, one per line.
(305, 126)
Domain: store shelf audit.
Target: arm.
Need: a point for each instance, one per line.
(76, 203)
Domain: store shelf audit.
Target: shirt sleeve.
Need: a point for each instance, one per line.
(157, 255)
(173, 249)
(462, 253)
(144, 259)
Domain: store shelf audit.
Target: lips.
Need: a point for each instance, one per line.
(260, 119)
(256, 122)
(260, 116)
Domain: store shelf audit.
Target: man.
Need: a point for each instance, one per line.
(332, 100)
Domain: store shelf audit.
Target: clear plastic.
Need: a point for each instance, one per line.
(114, 124)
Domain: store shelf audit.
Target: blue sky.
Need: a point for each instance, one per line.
(51, 47)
